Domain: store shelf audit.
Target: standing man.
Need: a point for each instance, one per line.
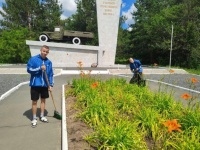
(136, 68)
(36, 67)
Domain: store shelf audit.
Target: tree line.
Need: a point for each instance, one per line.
(148, 40)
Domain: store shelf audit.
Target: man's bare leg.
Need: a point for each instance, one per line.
(42, 108)
(34, 112)
(34, 109)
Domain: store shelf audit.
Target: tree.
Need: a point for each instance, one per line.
(123, 43)
(34, 15)
(152, 30)
(18, 13)
(13, 49)
(49, 15)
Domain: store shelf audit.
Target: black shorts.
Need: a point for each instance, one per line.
(37, 92)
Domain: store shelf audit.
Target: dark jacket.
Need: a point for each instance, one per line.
(135, 65)
(37, 75)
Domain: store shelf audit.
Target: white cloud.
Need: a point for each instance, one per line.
(69, 8)
(129, 29)
(128, 14)
(0, 15)
(123, 5)
(63, 17)
(1, 1)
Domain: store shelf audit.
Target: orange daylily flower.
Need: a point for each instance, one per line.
(80, 63)
(171, 71)
(172, 125)
(194, 80)
(186, 96)
(94, 85)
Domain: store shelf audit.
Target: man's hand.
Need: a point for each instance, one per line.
(50, 88)
(43, 67)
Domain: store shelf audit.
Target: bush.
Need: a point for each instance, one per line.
(13, 46)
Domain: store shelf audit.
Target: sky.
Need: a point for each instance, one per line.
(69, 8)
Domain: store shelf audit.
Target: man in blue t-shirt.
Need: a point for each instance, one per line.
(136, 68)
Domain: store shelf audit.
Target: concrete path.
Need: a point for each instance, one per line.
(15, 121)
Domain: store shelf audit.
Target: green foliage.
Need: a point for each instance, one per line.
(126, 116)
(48, 15)
(18, 13)
(23, 20)
(194, 71)
(151, 34)
(13, 48)
(124, 51)
(34, 15)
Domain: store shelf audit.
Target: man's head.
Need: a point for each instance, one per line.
(131, 60)
(44, 51)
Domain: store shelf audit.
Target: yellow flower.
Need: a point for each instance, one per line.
(186, 96)
(172, 125)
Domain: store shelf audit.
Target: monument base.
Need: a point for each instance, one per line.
(67, 55)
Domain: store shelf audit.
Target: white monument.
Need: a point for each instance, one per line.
(108, 13)
(67, 55)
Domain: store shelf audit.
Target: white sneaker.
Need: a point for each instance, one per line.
(34, 123)
(43, 119)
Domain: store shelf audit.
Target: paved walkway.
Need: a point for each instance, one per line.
(15, 125)
(15, 116)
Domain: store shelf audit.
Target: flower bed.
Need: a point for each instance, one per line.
(125, 116)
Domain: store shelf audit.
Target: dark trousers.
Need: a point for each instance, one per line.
(137, 79)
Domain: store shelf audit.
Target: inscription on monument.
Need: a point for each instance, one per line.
(108, 6)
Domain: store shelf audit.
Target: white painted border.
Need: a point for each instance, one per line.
(172, 85)
(85, 71)
(12, 90)
(64, 122)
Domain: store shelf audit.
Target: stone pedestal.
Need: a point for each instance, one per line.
(67, 55)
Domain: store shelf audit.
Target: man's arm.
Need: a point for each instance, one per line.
(51, 79)
(33, 69)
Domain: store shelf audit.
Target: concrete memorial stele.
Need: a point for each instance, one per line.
(67, 55)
